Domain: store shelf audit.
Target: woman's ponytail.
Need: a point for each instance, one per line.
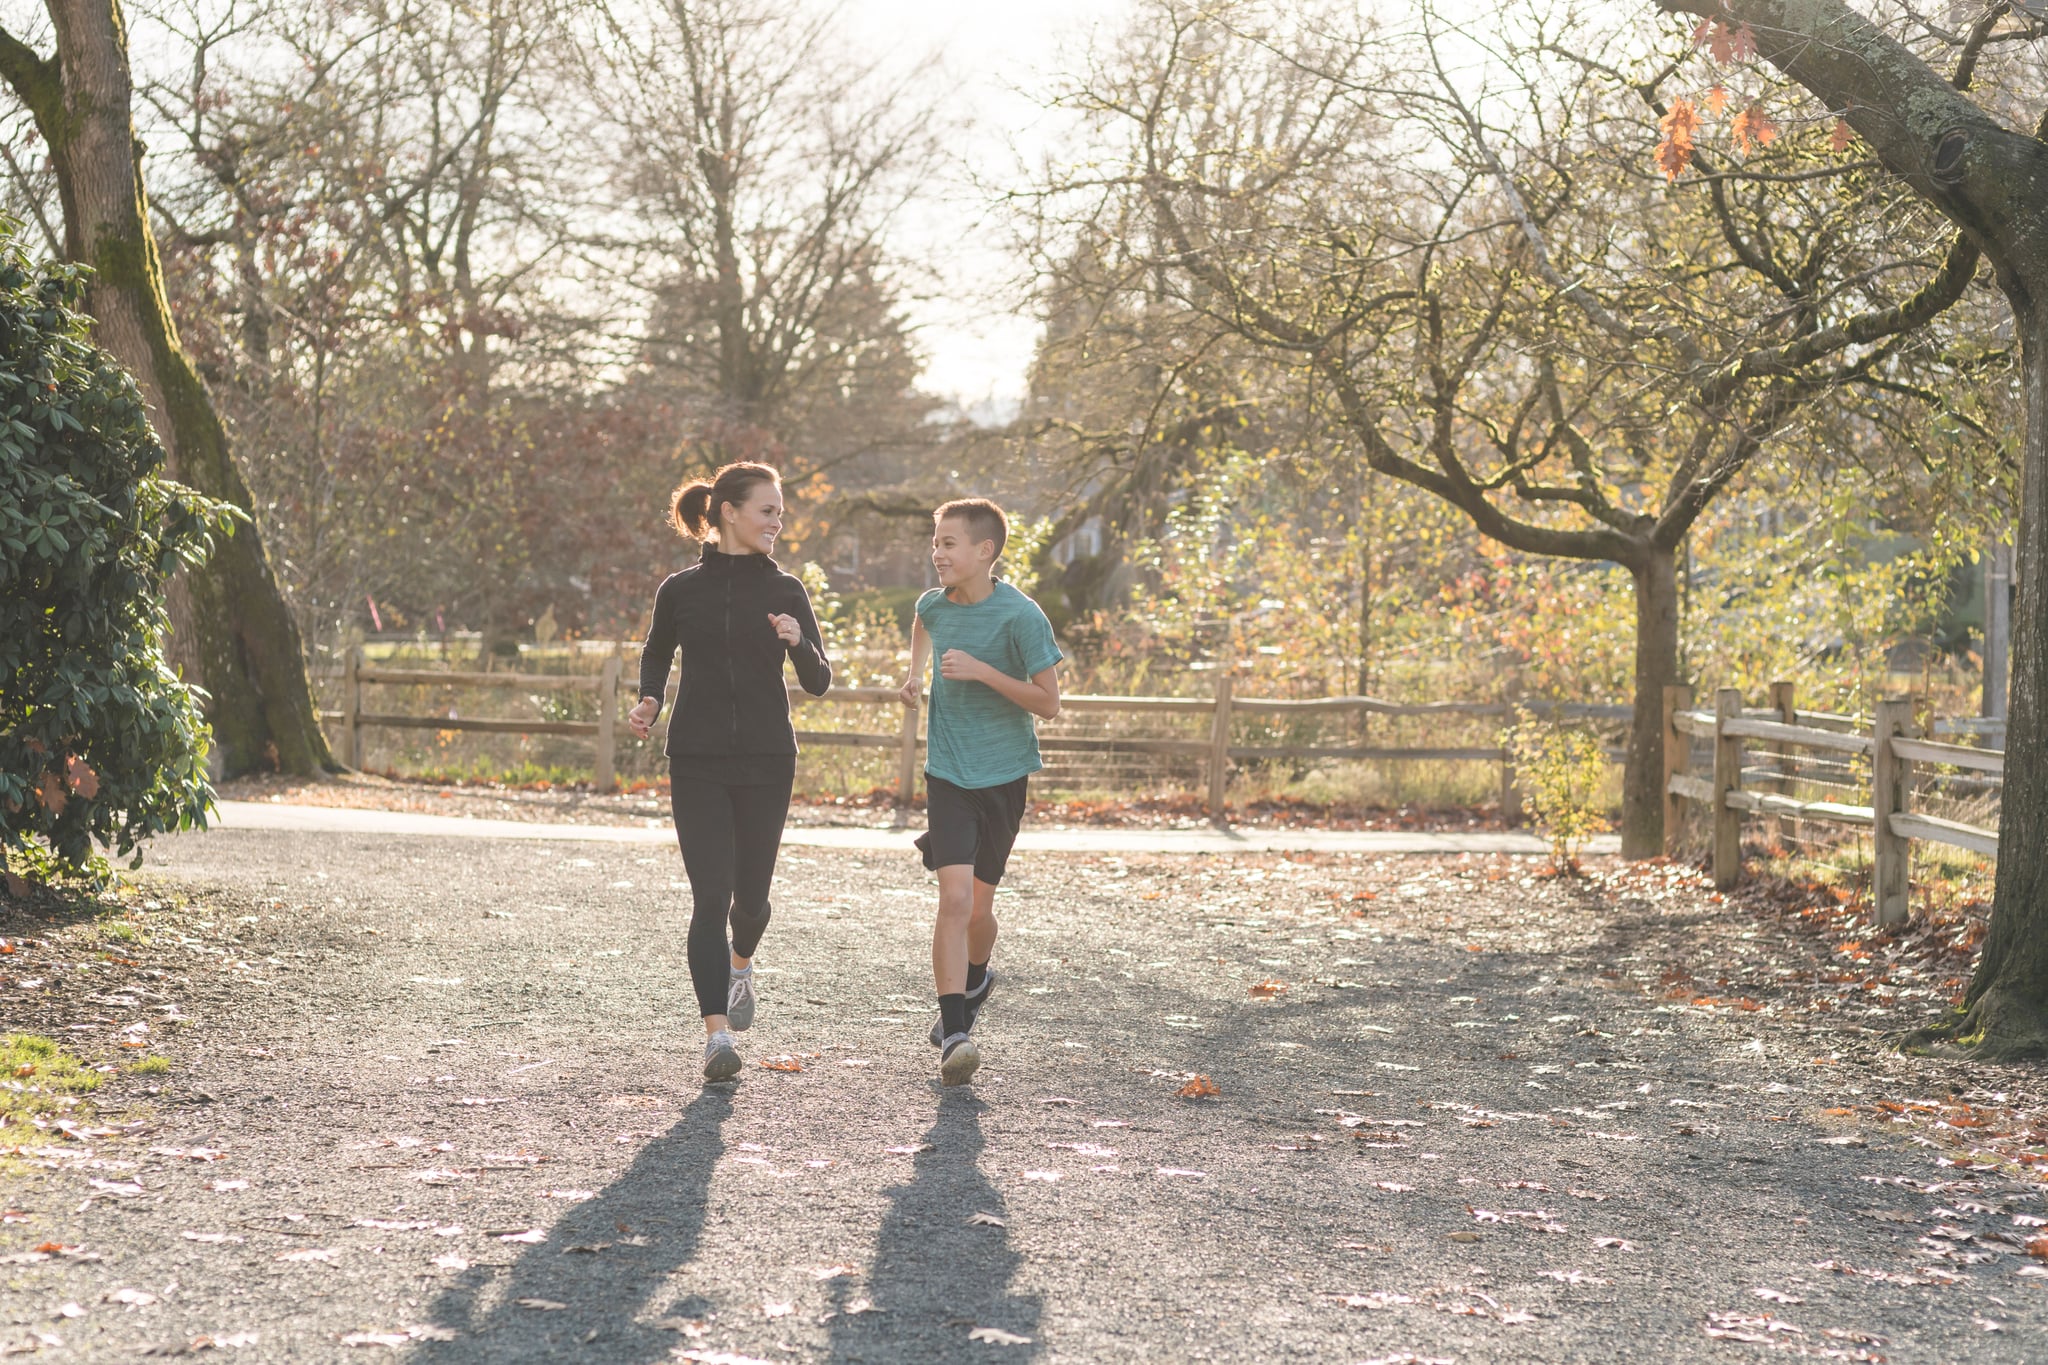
(690, 509)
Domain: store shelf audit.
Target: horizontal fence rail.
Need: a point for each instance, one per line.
(1216, 749)
(1890, 739)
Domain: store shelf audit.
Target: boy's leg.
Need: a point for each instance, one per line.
(981, 932)
(952, 935)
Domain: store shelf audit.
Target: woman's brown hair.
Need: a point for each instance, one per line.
(693, 507)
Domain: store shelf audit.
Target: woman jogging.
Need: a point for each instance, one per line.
(731, 749)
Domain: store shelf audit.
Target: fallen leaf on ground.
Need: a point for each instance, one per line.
(306, 1254)
(776, 1310)
(693, 1328)
(833, 1272)
(782, 1063)
(996, 1336)
(1614, 1244)
(985, 1220)
(1199, 1088)
(450, 1262)
(1775, 1296)
(211, 1237)
(541, 1305)
(531, 1235)
(1267, 989)
(134, 1298)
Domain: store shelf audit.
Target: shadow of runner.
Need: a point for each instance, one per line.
(661, 1197)
(936, 1276)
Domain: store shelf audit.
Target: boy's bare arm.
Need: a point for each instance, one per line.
(1039, 694)
(920, 650)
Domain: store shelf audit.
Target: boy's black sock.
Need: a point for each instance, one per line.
(975, 972)
(952, 1014)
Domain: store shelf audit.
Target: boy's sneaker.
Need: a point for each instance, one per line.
(721, 1057)
(960, 1061)
(739, 1001)
(975, 1000)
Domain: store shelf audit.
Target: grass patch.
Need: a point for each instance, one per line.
(38, 1078)
(150, 1066)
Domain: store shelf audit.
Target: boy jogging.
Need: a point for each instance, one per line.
(995, 667)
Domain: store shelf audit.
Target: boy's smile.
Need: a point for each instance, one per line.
(956, 558)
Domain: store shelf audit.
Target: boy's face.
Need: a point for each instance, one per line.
(956, 556)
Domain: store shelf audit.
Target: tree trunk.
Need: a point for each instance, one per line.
(2008, 998)
(1642, 795)
(238, 627)
(1991, 181)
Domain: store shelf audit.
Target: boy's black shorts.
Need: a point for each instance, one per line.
(971, 825)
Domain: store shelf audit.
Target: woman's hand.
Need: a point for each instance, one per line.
(786, 629)
(641, 718)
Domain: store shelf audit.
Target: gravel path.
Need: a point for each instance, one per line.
(440, 1097)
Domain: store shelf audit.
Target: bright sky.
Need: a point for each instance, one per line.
(978, 334)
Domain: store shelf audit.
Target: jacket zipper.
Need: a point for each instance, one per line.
(732, 682)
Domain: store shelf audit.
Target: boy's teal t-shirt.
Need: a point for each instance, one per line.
(975, 736)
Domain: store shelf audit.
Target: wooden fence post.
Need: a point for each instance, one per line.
(1219, 746)
(1727, 778)
(1890, 779)
(1677, 757)
(352, 708)
(1510, 794)
(1784, 700)
(607, 724)
(906, 761)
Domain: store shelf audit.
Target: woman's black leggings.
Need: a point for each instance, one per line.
(729, 836)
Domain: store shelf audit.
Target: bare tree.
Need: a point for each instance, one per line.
(1480, 292)
(760, 164)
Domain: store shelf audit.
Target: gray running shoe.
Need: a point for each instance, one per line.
(739, 1001)
(975, 1000)
(962, 1058)
(721, 1057)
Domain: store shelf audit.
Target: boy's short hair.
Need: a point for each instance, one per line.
(985, 520)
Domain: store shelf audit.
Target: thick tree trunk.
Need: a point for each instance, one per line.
(1642, 796)
(240, 631)
(2008, 997)
(1991, 181)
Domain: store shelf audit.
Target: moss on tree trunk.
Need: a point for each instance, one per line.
(240, 632)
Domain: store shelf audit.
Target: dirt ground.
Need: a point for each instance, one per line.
(441, 1097)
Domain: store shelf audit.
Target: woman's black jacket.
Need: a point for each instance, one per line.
(732, 700)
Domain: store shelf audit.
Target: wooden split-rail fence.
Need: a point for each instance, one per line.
(1221, 709)
(1752, 749)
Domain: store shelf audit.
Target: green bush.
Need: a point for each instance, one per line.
(1561, 768)
(100, 743)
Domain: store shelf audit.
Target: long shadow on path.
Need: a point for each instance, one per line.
(937, 1275)
(644, 1226)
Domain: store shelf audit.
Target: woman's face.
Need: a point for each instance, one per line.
(750, 527)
